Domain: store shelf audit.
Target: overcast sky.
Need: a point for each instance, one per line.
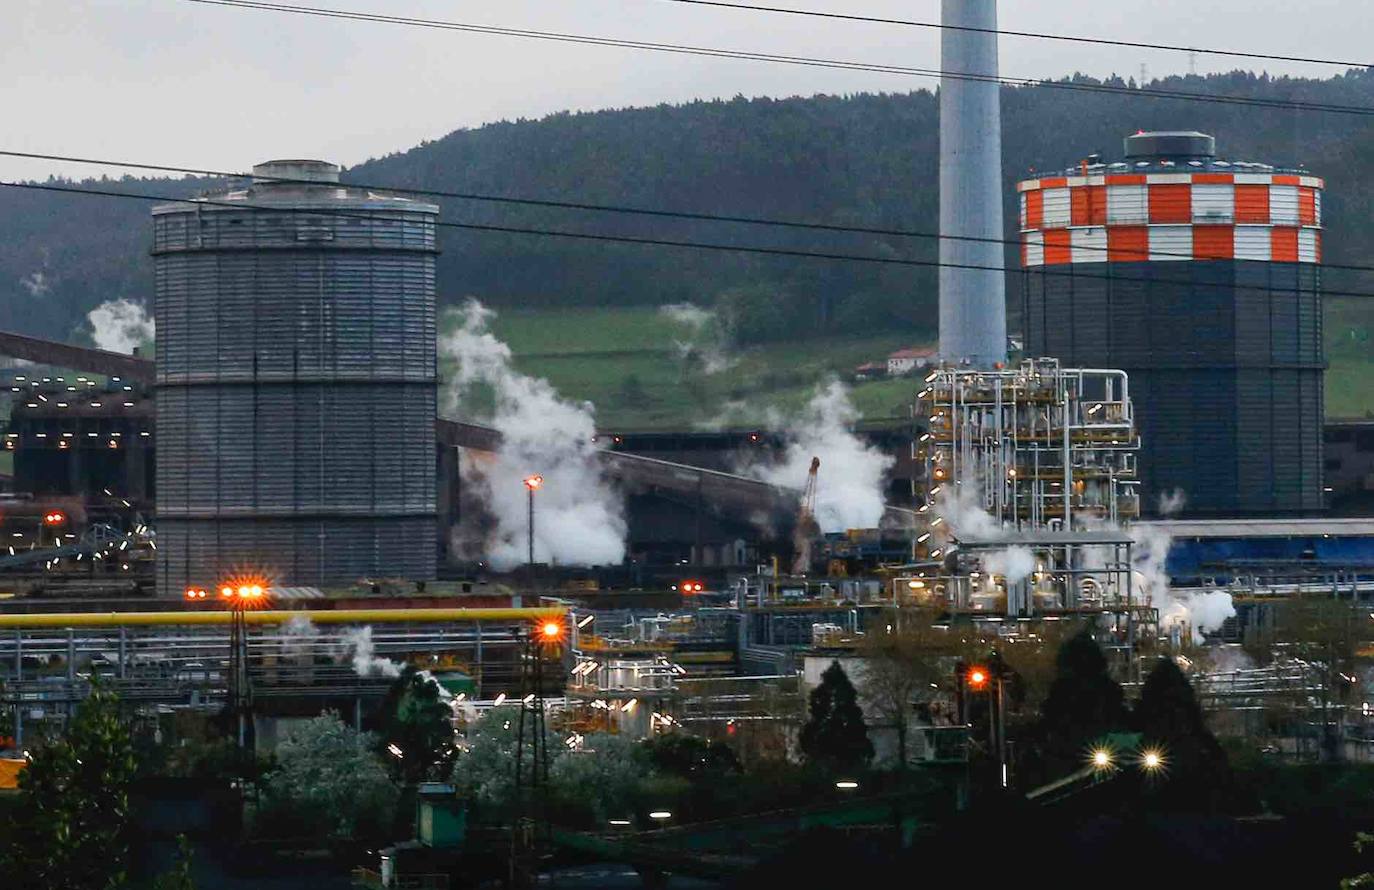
(169, 81)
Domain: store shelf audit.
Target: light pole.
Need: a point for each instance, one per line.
(239, 595)
(532, 483)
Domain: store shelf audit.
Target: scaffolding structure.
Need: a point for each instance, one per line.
(1040, 444)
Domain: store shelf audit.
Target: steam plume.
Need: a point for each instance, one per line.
(1171, 503)
(120, 326)
(579, 518)
(36, 283)
(1201, 611)
(703, 339)
(849, 489)
(1015, 563)
(357, 647)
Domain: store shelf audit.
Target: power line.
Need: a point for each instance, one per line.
(804, 61)
(647, 242)
(1037, 35)
(599, 208)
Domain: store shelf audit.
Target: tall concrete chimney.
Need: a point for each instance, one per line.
(973, 311)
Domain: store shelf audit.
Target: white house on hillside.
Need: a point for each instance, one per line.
(904, 361)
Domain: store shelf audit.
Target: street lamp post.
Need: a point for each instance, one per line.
(532, 483)
(238, 596)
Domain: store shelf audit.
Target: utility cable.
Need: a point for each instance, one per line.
(648, 242)
(684, 49)
(1036, 35)
(598, 208)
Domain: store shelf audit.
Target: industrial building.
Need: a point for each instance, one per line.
(1201, 278)
(1037, 446)
(296, 382)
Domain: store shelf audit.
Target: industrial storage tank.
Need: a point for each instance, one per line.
(295, 383)
(1201, 278)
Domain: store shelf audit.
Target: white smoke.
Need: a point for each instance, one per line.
(688, 315)
(579, 519)
(356, 646)
(849, 487)
(296, 636)
(1171, 503)
(702, 340)
(1015, 563)
(960, 508)
(120, 325)
(36, 283)
(1201, 611)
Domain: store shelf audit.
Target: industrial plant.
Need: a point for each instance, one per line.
(291, 502)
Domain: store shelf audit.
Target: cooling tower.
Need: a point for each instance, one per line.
(295, 383)
(1201, 278)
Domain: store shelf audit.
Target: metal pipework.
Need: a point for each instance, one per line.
(973, 311)
(274, 616)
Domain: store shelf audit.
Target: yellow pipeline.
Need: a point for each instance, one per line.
(274, 616)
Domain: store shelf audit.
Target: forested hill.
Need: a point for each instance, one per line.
(867, 160)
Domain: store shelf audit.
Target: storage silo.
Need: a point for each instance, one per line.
(296, 383)
(1201, 278)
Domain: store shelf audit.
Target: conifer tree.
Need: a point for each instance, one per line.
(835, 736)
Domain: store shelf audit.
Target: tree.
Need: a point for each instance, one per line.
(419, 724)
(328, 782)
(1169, 719)
(180, 875)
(1324, 634)
(691, 757)
(603, 780)
(900, 667)
(74, 804)
(1084, 702)
(708, 772)
(485, 771)
(835, 736)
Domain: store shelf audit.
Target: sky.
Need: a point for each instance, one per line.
(182, 83)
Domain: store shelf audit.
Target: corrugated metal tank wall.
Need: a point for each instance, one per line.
(296, 383)
(1224, 350)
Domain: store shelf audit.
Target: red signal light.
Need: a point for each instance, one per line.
(54, 517)
(551, 630)
(690, 587)
(196, 593)
(977, 677)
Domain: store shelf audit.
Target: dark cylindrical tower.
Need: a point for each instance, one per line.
(1201, 278)
(296, 383)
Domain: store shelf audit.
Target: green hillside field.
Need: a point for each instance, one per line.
(624, 361)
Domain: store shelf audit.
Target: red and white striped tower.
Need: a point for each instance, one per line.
(1201, 278)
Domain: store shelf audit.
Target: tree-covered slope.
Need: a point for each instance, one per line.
(865, 160)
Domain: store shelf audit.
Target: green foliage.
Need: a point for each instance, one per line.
(835, 737)
(860, 160)
(1169, 718)
(419, 723)
(180, 875)
(1084, 702)
(485, 771)
(73, 821)
(692, 757)
(327, 784)
(1363, 840)
(609, 778)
